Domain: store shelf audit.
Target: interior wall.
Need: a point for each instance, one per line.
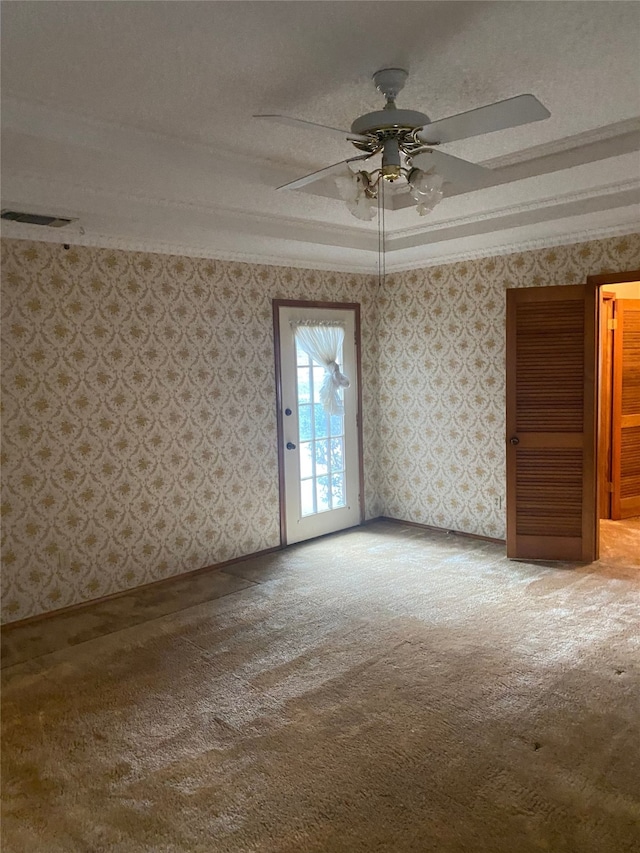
(624, 290)
(139, 415)
(442, 379)
(139, 423)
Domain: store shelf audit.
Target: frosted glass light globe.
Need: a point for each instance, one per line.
(426, 189)
(348, 186)
(364, 208)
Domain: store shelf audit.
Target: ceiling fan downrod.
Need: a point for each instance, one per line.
(391, 163)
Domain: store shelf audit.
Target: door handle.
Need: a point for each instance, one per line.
(514, 440)
(290, 445)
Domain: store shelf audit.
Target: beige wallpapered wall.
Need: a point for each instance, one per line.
(139, 417)
(139, 426)
(442, 379)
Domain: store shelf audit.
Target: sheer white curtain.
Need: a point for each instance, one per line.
(324, 344)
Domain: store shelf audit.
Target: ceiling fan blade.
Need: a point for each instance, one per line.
(503, 114)
(312, 125)
(321, 173)
(453, 169)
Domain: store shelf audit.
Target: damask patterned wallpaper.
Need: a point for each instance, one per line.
(139, 417)
(442, 379)
(139, 425)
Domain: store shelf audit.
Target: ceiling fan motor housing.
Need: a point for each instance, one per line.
(386, 120)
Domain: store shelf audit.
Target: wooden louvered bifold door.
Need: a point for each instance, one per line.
(625, 466)
(551, 359)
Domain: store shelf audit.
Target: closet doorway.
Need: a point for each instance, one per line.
(619, 422)
(563, 449)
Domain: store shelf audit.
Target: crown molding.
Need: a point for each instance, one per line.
(568, 143)
(348, 237)
(345, 236)
(522, 207)
(179, 204)
(569, 239)
(20, 231)
(12, 230)
(286, 238)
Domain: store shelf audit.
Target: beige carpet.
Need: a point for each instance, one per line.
(620, 543)
(385, 689)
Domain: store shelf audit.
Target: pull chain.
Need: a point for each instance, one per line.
(381, 236)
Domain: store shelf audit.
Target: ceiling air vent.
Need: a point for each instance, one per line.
(35, 218)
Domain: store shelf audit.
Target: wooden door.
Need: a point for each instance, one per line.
(551, 423)
(607, 303)
(625, 464)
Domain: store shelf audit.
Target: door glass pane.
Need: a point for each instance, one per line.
(304, 423)
(307, 494)
(337, 490)
(306, 459)
(318, 378)
(322, 494)
(321, 421)
(322, 457)
(321, 442)
(304, 392)
(337, 454)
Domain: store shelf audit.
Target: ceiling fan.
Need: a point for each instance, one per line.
(408, 140)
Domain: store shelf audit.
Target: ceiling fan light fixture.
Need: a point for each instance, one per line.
(424, 183)
(364, 208)
(358, 193)
(426, 189)
(425, 207)
(348, 186)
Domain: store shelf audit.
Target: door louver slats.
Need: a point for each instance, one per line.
(625, 498)
(549, 492)
(630, 459)
(550, 367)
(551, 358)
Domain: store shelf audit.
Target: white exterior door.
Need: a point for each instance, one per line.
(321, 458)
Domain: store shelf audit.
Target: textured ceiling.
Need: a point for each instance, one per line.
(136, 117)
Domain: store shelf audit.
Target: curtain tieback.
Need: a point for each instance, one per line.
(339, 380)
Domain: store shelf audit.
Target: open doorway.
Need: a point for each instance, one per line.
(619, 423)
(561, 452)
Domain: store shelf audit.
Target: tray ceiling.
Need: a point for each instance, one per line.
(136, 119)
